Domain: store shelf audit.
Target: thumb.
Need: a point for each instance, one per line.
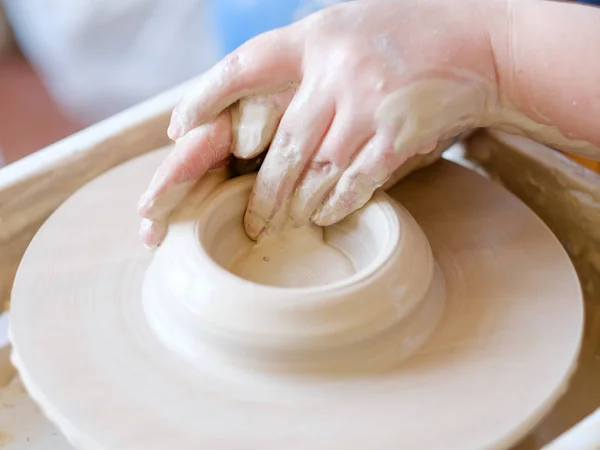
(197, 152)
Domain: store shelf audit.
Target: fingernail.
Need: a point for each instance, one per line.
(324, 216)
(150, 247)
(152, 233)
(254, 225)
(175, 130)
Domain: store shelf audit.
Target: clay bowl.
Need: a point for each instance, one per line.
(89, 334)
(368, 319)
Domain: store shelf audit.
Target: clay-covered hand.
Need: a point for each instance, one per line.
(244, 130)
(374, 83)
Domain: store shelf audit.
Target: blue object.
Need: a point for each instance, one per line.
(239, 20)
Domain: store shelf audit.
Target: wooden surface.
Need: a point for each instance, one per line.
(583, 436)
(594, 166)
(566, 196)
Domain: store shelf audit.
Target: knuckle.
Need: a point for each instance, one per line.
(285, 151)
(321, 166)
(263, 42)
(288, 156)
(372, 175)
(354, 54)
(232, 64)
(336, 151)
(283, 139)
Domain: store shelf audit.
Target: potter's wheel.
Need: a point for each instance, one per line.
(499, 358)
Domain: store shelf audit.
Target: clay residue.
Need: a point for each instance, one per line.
(296, 257)
(5, 438)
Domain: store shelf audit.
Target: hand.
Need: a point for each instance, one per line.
(245, 129)
(374, 83)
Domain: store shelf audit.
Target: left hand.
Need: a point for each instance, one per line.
(243, 130)
(379, 83)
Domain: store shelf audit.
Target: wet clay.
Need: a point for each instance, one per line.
(119, 375)
(296, 257)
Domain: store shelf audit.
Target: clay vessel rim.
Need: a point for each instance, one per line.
(385, 206)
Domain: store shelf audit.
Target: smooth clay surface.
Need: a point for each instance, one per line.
(303, 299)
(498, 360)
(294, 258)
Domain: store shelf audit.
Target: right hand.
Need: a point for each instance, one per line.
(378, 83)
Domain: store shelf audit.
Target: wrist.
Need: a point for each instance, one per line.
(486, 24)
(546, 71)
(495, 22)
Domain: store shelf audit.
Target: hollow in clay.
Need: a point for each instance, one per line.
(335, 299)
(298, 257)
(173, 350)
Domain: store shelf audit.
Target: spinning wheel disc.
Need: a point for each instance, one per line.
(501, 356)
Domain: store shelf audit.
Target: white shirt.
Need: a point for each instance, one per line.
(98, 57)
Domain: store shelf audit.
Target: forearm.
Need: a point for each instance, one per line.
(548, 68)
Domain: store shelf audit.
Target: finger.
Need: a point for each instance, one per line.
(192, 157)
(197, 152)
(371, 168)
(270, 62)
(348, 134)
(256, 121)
(152, 233)
(300, 132)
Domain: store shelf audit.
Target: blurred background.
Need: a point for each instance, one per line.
(65, 64)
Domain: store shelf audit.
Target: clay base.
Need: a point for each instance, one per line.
(499, 360)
